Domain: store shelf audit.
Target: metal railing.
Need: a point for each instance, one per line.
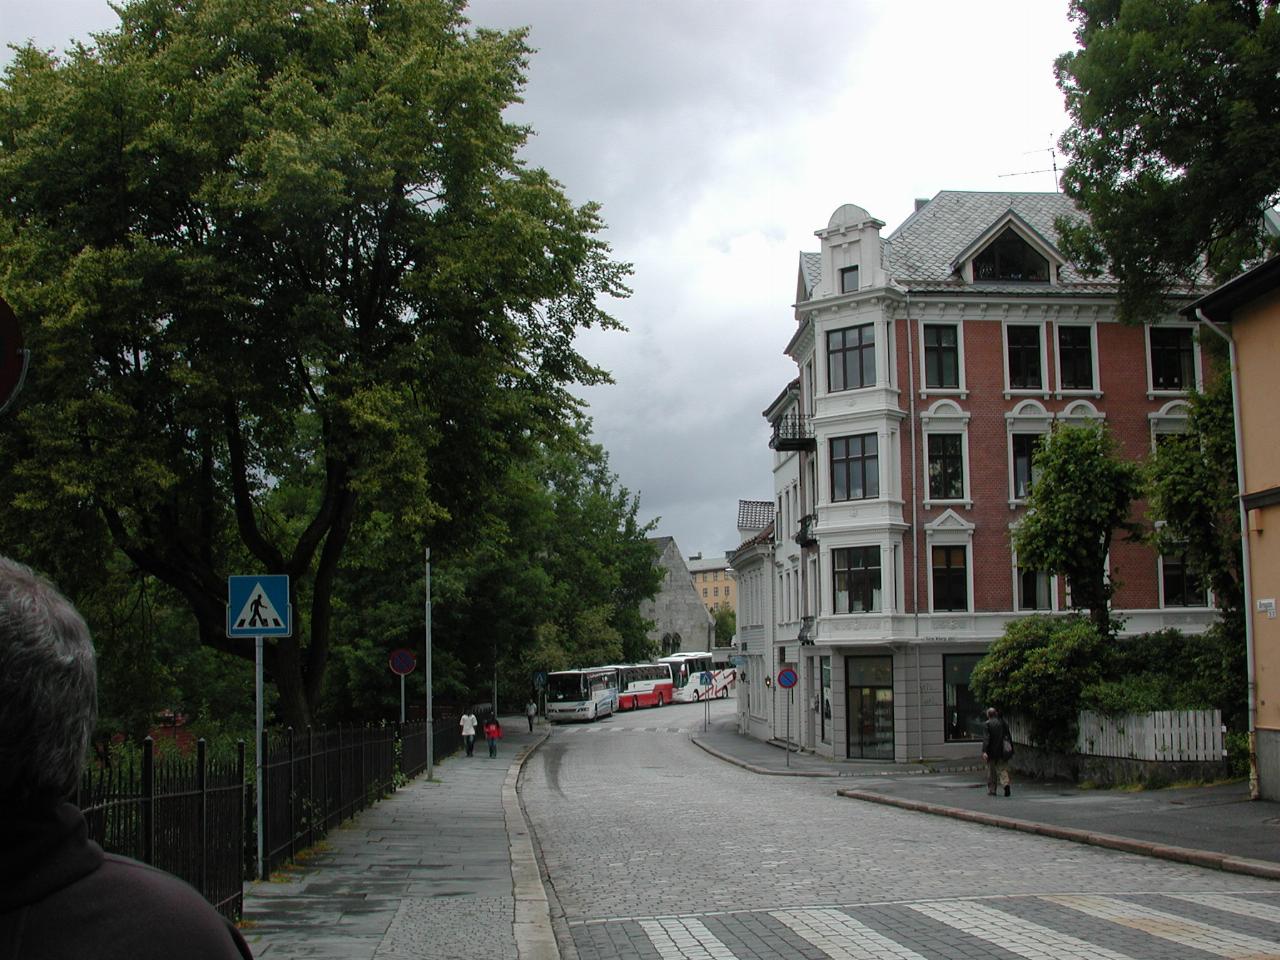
(185, 815)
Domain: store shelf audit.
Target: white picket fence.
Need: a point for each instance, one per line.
(1170, 735)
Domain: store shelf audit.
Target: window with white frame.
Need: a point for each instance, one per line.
(1033, 589)
(855, 467)
(1024, 356)
(946, 466)
(848, 279)
(1009, 257)
(1169, 421)
(1179, 584)
(1027, 424)
(1076, 357)
(856, 579)
(943, 355)
(949, 541)
(946, 460)
(851, 357)
(1171, 358)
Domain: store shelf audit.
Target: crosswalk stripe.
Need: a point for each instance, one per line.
(1230, 904)
(1004, 930)
(678, 938)
(840, 936)
(1169, 926)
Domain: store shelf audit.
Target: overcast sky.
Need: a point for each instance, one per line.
(719, 135)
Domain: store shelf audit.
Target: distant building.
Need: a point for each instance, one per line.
(930, 362)
(681, 623)
(1250, 304)
(713, 580)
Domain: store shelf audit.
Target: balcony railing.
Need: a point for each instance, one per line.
(808, 535)
(793, 432)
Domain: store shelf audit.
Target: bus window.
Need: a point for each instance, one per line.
(564, 686)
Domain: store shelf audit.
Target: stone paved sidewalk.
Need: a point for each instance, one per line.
(441, 870)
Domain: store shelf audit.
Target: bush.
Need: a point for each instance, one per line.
(1038, 669)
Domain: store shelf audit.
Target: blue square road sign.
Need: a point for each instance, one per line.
(258, 606)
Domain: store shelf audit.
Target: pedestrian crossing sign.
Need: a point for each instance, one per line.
(258, 606)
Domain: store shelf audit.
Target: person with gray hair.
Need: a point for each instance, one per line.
(60, 895)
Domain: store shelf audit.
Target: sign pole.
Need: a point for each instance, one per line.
(257, 780)
(789, 726)
(402, 699)
(431, 735)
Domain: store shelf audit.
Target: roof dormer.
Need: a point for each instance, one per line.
(1010, 250)
(851, 259)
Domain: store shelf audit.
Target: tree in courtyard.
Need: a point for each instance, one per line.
(281, 269)
(1190, 483)
(726, 625)
(1171, 149)
(1080, 500)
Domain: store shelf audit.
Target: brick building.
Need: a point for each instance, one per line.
(930, 362)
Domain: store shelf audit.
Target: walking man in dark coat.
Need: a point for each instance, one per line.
(995, 752)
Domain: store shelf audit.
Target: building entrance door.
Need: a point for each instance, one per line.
(870, 690)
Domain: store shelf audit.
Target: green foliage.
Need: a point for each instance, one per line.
(287, 285)
(1038, 669)
(1171, 145)
(726, 625)
(1190, 484)
(1081, 498)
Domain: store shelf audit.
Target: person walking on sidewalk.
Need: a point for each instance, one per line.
(492, 731)
(997, 748)
(468, 724)
(531, 711)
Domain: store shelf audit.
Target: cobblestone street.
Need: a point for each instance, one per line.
(652, 848)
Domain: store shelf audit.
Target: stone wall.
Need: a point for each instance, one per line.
(1111, 771)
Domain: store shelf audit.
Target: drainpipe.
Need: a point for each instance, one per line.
(915, 539)
(1254, 793)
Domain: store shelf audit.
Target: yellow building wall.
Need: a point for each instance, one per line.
(1256, 330)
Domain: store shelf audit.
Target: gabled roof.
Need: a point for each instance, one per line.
(788, 395)
(994, 230)
(754, 514)
(923, 253)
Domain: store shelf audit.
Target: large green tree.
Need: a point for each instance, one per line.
(274, 257)
(1080, 501)
(1175, 109)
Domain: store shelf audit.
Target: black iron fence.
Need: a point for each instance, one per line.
(185, 815)
(447, 740)
(195, 816)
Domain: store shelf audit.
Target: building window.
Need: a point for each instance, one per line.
(1172, 358)
(1181, 588)
(1034, 590)
(849, 280)
(1009, 257)
(946, 466)
(715, 591)
(950, 579)
(1024, 452)
(704, 593)
(856, 576)
(941, 356)
(851, 357)
(1075, 358)
(1024, 357)
(855, 468)
(964, 717)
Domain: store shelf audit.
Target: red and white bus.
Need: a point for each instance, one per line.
(644, 685)
(690, 673)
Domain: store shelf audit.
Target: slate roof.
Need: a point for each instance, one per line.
(811, 269)
(919, 254)
(754, 514)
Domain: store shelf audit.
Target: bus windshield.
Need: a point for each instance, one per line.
(564, 686)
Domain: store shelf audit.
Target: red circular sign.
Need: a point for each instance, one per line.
(787, 677)
(403, 661)
(13, 359)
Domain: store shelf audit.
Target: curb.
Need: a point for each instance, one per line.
(1199, 858)
(535, 939)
